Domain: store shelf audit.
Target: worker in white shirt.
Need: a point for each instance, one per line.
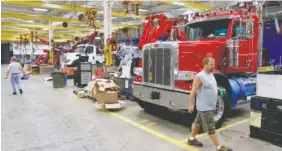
(15, 70)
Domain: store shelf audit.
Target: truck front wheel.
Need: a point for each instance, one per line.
(219, 113)
(75, 63)
(221, 110)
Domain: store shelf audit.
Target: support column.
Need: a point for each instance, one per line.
(107, 20)
(108, 31)
(51, 56)
(260, 42)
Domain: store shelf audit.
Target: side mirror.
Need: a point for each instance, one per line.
(78, 55)
(250, 28)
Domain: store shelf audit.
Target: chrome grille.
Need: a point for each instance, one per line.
(167, 66)
(157, 66)
(146, 56)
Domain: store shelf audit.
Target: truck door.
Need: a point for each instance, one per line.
(90, 53)
(99, 56)
(241, 47)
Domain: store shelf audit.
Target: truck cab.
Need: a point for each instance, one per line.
(71, 58)
(168, 68)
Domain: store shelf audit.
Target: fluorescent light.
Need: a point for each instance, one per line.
(40, 9)
(113, 17)
(143, 10)
(29, 21)
(56, 23)
(179, 3)
(128, 23)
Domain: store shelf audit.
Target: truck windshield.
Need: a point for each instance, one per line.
(79, 49)
(208, 29)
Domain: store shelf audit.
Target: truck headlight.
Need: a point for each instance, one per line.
(138, 71)
(68, 60)
(185, 75)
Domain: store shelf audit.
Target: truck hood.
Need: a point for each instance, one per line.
(192, 53)
(67, 57)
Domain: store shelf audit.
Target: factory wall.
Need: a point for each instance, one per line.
(273, 42)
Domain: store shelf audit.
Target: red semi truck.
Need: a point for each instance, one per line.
(165, 76)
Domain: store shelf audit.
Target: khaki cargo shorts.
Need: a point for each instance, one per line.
(205, 119)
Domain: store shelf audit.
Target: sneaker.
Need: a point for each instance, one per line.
(15, 93)
(21, 91)
(195, 142)
(223, 148)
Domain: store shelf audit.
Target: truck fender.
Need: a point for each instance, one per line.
(222, 81)
(75, 63)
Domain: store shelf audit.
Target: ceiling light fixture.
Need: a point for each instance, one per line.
(143, 10)
(179, 3)
(40, 9)
(113, 17)
(128, 23)
(29, 21)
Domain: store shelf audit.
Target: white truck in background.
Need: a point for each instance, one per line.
(71, 59)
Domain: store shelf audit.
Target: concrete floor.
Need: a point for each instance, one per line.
(47, 119)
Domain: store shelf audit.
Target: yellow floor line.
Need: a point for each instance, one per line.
(151, 131)
(220, 129)
(155, 133)
(151, 124)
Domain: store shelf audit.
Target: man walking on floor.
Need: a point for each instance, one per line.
(205, 86)
(15, 69)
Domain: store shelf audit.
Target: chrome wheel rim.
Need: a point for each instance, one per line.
(219, 111)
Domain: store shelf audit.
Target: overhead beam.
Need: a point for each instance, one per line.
(13, 37)
(16, 24)
(13, 30)
(194, 5)
(62, 7)
(55, 19)
(15, 40)
(6, 31)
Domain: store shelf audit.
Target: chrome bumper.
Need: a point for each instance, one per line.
(172, 99)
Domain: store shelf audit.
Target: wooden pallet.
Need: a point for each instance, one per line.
(110, 107)
(105, 106)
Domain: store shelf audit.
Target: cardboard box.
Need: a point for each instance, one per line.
(90, 88)
(101, 86)
(108, 97)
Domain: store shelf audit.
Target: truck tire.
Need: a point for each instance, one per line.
(219, 114)
(221, 110)
(98, 64)
(149, 107)
(74, 63)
